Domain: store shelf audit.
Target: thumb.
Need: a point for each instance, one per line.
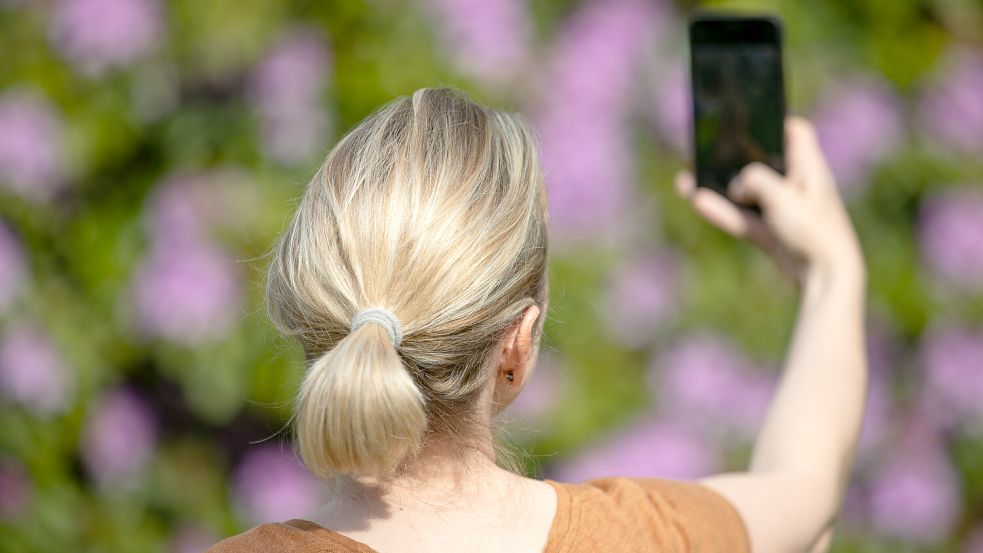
(757, 184)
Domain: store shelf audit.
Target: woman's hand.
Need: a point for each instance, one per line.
(804, 227)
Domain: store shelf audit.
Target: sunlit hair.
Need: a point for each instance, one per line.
(433, 207)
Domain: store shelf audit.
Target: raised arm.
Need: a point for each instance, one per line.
(791, 494)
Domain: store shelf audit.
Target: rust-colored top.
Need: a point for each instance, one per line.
(605, 514)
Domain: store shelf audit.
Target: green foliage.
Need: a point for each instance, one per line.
(185, 109)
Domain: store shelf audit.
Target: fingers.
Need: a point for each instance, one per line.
(721, 212)
(716, 209)
(728, 217)
(803, 152)
(758, 184)
(685, 184)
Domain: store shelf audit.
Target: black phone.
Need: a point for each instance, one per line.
(738, 96)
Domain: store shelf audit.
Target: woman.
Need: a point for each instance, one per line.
(414, 275)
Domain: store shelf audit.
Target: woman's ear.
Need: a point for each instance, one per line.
(514, 367)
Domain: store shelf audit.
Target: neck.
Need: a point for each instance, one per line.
(443, 467)
(439, 480)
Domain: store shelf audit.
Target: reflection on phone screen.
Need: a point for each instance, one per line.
(738, 109)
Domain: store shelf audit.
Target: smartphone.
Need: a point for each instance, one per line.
(738, 96)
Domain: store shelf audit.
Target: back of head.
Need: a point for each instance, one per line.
(434, 209)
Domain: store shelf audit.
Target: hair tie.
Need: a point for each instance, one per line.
(382, 317)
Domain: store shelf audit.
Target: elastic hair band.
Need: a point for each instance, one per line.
(382, 317)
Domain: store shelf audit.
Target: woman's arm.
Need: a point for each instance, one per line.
(792, 491)
(790, 496)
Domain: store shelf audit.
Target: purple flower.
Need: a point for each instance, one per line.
(187, 294)
(12, 270)
(15, 489)
(489, 39)
(859, 124)
(587, 172)
(189, 208)
(97, 35)
(706, 379)
(951, 236)
(271, 485)
(953, 361)
(286, 90)
(188, 290)
(650, 449)
(174, 212)
(582, 123)
(915, 495)
(598, 51)
(951, 107)
(639, 297)
(670, 107)
(31, 158)
(32, 372)
(119, 437)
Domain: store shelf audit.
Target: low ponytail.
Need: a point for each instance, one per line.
(435, 207)
(359, 411)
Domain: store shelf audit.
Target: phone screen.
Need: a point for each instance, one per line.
(738, 96)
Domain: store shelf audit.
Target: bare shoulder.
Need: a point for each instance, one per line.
(543, 492)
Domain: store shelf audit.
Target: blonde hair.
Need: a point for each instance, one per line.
(434, 208)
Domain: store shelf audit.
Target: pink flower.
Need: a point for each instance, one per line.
(859, 123)
(271, 485)
(189, 208)
(119, 438)
(97, 35)
(187, 294)
(31, 156)
(32, 372)
(639, 297)
(650, 449)
(489, 39)
(286, 90)
(188, 290)
(582, 122)
(952, 357)
(951, 236)
(706, 379)
(951, 107)
(914, 496)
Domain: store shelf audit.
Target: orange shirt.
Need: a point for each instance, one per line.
(604, 514)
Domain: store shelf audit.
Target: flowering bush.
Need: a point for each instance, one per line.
(150, 152)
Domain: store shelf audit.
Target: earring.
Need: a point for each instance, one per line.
(510, 377)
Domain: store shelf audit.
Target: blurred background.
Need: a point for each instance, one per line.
(151, 151)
